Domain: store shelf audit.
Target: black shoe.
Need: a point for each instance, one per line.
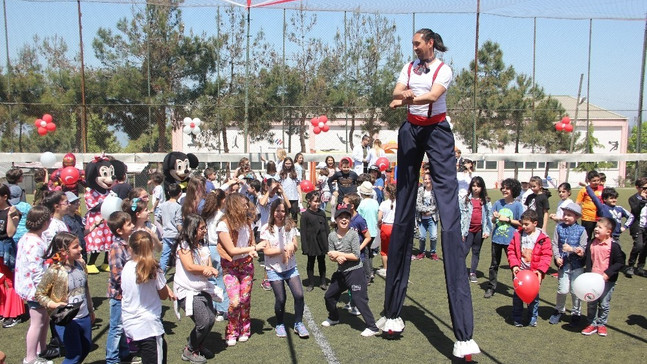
(640, 272)
(629, 272)
(488, 293)
(310, 288)
(324, 286)
(51, 352)
(11, 322)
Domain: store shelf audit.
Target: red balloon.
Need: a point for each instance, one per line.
(526, 285)
(314, 121)
(37, 122)
(568, 128)
(382, 163)
(48, 118)
(42, 131)
(323, 118)
(316, 130)
(566, 120)
(192, 125)
(559, 126)
(325, 128)
(50, 127)
(70, 176)
(306, 186)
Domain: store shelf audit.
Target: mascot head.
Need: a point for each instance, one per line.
(177, 166)
(101, 172)
(69, 160)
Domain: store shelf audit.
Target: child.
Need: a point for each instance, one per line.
(378, 184)
(322, 186)
(568, 237)
(357, 224)
(290, 184)
(236, 239)
(143, 285)
(213, 211)
(210, 176)
(193, 201)
(564, 192)
(385, 218)
(121, 226)
(589, 211)
(538, 202)
(30, 267)
(506, 213)
(523, 195)
(428, 217)
(137, 208)
(299, 165)
(476, 220)
(314, 239)
(603, 256)
(270, 171)
(345, 179)
(74, 221)
(40, 186)
(56, 202)
(368, 209)
(195, 293)
(611, 210)
(170, 213)
(16, 193)
(344, 249)
(638, 251)
(65, 282)
(11, 306)
(280, 238)
(464, 177)
(529, 250)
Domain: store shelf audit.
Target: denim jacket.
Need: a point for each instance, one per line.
(466, 215)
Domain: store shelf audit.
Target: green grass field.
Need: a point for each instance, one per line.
(428, 336)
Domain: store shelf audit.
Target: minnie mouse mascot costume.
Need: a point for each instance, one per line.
(100, 176)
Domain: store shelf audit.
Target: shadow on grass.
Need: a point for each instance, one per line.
(637, 320)
(288, 321)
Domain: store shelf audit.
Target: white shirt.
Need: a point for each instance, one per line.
(55, 225)
(141, 307)
(560, 211)
(358, 157)
(243, 238)
(421, 84)
(279, 239)
(388, 213)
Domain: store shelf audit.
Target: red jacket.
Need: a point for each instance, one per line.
(542, 253)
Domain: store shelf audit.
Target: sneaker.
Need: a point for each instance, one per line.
(132, 359)
(348, 307)
(381, 272)
(37, 361)
(554, 318)
(433, 256)
(473, 278)
(488, 293)
(266, 285)
(602, 330)
(640, 272)
(533, 322)
(324, 286)
(368, 332)
(11, 322)
(354, 311)
(518, 324)
(207, 353)
(92, 269)
(329, 323)
(300, 329)
(280, 331)
(629, 272)
(418, 256)
(310, 288)
(589, 330)
(231, 341)
(51, 352)
(193, 356)
(220, 316)
(243, 338)
(575, 320)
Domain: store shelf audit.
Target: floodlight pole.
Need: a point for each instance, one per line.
(246, 123)
(641, 94)
(476, 67)
(9, 98)
(84, 118)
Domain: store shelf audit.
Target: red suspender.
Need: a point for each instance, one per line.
(433, 79)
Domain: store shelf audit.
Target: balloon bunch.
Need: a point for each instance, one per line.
(191, 126)
(45, 124)
(319, 124)
(564, 125)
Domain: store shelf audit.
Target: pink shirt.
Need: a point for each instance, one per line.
(600, 255)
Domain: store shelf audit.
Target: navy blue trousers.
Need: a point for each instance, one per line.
(437, 141)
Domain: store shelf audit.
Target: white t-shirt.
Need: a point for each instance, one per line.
(560, 211)
(141, 307)
(158, 195)
(185, 281)
(243, 238)
(421, 84)
(212, 233)
(388, 213)
(55, 226)
(279, 238)
(464, 180)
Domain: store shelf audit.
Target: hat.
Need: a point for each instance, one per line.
(574, 208)
(71, 196)
(342, 208)
(321, 165)
(366, 188)
(15, 194)
(374, 168)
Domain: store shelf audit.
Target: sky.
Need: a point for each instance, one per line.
(561, 45)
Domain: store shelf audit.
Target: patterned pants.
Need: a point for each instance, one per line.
(238, 275)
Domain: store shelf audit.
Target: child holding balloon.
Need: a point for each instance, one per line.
(529, 250)
(603, 256)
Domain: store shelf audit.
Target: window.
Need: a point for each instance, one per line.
(511, 165)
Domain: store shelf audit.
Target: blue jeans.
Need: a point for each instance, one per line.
(77, 338)
(428, 226)
(116, 346)
(597, 312)
(517, 308)
(565, 278)
(219, 281)
(167, 243)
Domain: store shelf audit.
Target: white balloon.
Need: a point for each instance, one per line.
(110, 204)
(186, 130)
(321, 124)
(48, 159)
(196, 130)
(197, 121)
(588, 286)
(187, 121)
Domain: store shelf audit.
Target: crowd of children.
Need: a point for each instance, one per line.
(212, 235)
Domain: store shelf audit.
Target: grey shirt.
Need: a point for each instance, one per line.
(348, 244)
(171, 216)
